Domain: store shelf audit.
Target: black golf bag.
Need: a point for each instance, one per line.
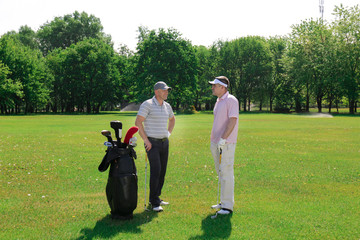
(121, 188)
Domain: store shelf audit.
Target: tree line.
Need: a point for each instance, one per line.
(69, 64)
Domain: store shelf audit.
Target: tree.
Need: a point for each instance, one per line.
(206, 72)
(346, 29)
(27, 67)
(28, 37)
(165, 56)
(70, 29)
(85, 76)
(310, 51)
(9, 90)
(248, 62)
(277, 48)
(124, 64)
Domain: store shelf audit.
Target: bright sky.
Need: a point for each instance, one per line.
(200, 21)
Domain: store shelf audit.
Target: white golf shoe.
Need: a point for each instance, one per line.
(223, 212)
(158, 209)
(217, 206)
(163, 203)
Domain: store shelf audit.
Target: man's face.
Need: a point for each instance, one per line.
(163, 94)
(217, 90)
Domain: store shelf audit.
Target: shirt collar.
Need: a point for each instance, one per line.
(224, 96)
(155, 101)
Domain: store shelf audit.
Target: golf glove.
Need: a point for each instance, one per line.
(221, 143)
(169, 134)
(132, 141)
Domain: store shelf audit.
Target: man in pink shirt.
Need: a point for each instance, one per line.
(223, 140)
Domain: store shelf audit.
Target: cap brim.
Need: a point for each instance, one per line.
(212, 82)
(165, 88)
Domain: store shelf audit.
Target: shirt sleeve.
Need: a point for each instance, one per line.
(144, 110)
(233, 108)
(171, 113)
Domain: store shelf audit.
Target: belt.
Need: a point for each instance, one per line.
(157, 139)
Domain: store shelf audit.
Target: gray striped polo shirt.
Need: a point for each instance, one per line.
(156, 117)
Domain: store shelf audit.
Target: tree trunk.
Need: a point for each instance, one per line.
(351, 106)
(330, 103)
(307, 108)
(88, 107)
(318, 101)
(54, 108)
(355, 106)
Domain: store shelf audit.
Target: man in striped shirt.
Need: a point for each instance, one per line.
(156, 121)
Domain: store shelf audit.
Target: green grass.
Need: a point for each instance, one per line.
(296, 177)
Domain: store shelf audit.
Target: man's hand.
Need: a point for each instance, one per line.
(147, 145)
(139, 123)
(221, 143)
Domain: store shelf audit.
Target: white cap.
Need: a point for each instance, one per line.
(217, 81)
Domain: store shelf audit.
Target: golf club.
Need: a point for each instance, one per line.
(145, 180)
(117, 126)
(218, 197)
(108, 144)
(132, 141)
(130, 133)
(107, 134)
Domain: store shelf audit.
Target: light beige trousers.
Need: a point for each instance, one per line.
(225, 171)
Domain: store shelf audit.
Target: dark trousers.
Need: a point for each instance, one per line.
(158, 158)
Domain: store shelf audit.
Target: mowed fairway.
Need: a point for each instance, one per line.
(296, 177)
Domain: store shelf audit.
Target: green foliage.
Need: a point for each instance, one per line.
(312, 42)
(69, 65)
(26, 67)
(206, 59)
(248, 63)
(28, 37)
(62, 32)
(9, 89)
(273, 86)
(124, 65)
(85, 74)
(165, 56)
(346, 28)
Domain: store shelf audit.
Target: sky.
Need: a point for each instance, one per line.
(201, 21)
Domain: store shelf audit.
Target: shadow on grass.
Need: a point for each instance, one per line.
(218, 228)
(109, 228)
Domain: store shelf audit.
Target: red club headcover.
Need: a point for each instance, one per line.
(130, 134)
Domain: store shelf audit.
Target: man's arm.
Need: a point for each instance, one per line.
(139, 123)
(229, 127)
(171, 124)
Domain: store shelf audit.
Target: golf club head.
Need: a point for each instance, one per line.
(132, 141)
(116, 125)
(130, 133)
(106, 133)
